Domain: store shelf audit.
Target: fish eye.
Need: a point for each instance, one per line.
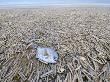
(55, 58)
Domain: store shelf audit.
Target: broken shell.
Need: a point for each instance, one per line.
(82, 58)
(60, 69)
(46, 55)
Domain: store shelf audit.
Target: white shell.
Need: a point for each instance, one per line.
(46, 55)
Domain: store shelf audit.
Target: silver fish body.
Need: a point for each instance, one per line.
(46, 55)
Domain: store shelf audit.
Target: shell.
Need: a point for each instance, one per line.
(46, 55)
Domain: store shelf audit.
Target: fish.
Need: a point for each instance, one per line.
(46, 55)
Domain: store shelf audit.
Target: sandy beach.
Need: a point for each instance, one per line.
(80, 36)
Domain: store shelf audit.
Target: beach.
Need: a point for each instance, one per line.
(80, 36)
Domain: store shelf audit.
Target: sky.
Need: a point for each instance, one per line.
(52, 2)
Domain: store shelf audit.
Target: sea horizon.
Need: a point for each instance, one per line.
(54, 5)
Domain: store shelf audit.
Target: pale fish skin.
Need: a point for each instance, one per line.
(47, 55)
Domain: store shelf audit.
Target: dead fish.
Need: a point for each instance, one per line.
(46, 55)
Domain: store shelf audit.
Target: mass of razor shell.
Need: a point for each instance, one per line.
(91, 62)
(71, 69)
